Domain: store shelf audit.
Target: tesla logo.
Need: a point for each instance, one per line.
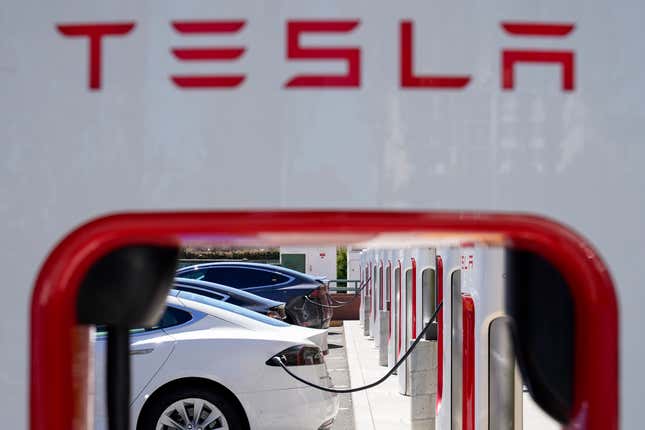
(95, 34)
(352, 56)
(409, 79)
(297, 51)
(214, 53)
(510, 57)
(467, 262)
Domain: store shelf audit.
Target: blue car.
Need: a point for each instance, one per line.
(307, 298)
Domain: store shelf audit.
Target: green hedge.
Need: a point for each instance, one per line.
(272, 254)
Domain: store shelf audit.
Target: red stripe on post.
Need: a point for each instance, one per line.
(439, 285)
(414, 299)
(389, 327)
(398, 352)
(468, 362)
(381, 285)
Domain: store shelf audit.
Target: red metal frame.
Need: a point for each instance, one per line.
(389, 327)
(468, 363)
(398, 351)
(439, 284)
(60, 369)
(414, 299)
(374, 297)
(381, 285)
(373, 283)
(371, 290)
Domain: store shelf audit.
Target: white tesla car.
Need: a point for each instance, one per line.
(205, 367)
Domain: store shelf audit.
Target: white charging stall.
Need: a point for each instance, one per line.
(397, 257)
(498, 395)
(426, 287)
(408, 261)
(378, 294)
(372, 291)
(450, 257)
(392, 281)
(361, 277)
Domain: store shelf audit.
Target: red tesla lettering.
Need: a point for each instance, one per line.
(539, 29)
(208, 54)
(352, 55)
(510, 57)
(409, 79)
(95, 33)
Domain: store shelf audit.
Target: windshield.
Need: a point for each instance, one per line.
(231, 308)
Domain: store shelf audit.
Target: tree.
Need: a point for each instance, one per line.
(341, 265)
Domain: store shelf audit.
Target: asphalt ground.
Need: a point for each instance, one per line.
(339, 372)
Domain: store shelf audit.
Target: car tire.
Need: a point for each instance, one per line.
(217, 408)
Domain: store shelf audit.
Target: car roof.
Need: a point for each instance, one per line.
(263, 266)
(226, 311)
(231, 291)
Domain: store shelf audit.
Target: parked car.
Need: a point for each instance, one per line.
(236, 296)
(205, 366)
(243, 299)
(307, 297)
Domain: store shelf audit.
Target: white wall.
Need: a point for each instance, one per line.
(318, 260)
(70, 154)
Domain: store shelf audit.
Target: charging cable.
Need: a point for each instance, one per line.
(357, 294)
(279, 362)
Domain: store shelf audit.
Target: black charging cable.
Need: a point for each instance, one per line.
(421, 335)
(357, 294)
(118, 377)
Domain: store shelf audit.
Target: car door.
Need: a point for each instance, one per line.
(149, 349)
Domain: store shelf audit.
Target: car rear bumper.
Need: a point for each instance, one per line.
(294, 408)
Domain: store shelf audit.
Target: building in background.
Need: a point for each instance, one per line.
(353, 263)
(320, 261)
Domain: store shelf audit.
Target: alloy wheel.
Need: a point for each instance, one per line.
(192, 414)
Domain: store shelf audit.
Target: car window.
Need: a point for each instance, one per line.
(171, 317)
(231, 308)
(239, 277)
(193, 274)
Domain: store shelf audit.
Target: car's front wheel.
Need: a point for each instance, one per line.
(191, 409)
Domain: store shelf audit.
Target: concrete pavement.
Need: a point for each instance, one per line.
(339, 372)
(381, 407)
